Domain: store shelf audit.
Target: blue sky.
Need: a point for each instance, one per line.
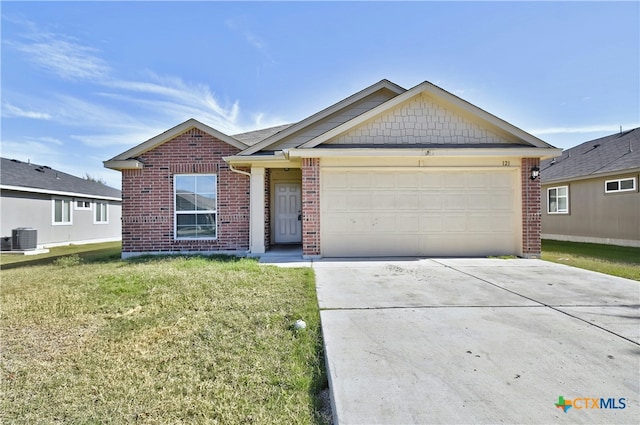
(85, 81)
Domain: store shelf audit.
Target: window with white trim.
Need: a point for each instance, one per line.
(558, 200)
(101, 215)
(195, 206)
(82, 205)
(62, 211)
(620, 185)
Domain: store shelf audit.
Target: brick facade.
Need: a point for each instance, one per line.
(531, 214)
(147, 195)
(311, 207)
(267, 209)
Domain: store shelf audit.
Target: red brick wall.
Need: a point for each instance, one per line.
(531, 214)
(147, 196)
(267, 209)
(311, 206)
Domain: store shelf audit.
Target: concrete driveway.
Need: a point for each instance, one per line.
(448, 341)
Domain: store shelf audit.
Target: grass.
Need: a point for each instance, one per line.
(159, 340)
(615, 260)
(91, 252)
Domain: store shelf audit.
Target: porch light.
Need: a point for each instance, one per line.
(535, 173)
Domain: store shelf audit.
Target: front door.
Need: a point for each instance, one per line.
(288, 219)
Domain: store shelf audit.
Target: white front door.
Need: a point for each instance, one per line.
(288, 209)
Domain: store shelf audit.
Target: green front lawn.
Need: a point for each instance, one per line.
(159, 340)
(610, 259)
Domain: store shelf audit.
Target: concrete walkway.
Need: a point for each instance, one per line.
(427, 341)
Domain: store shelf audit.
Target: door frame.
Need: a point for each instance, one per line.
(272, 200)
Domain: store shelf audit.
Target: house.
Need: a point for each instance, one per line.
(384, 172)
(590, 193)
(62, 208)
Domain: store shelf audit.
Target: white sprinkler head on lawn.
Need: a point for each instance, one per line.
(300, 324)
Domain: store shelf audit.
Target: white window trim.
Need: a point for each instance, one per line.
(97, 205)
(633, 189)
(77, 208)
(175, 212)
(549, 204)
(53, 212)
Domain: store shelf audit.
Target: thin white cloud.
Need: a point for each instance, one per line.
(604, 128)
(47, 140)
(61, 55)
(240, 28)
(12, 111)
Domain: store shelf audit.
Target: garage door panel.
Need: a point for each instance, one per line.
(430, 200)
(431, 180)
(408, 213)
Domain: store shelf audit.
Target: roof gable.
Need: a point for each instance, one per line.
(426, 114)
(30, 177)
(330, 117)
(127, 159)
(618, 152)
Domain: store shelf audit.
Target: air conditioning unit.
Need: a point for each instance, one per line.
(24, 239)
(5, 243)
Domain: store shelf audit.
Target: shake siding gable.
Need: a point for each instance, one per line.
(148, 206)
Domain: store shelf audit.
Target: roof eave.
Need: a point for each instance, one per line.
(427, 87)
(172, 133)
(58, 192)
(522, 152)
(589, 176)
(119, 165)
(323, 114)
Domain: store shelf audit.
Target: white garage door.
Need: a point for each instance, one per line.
(376, 212)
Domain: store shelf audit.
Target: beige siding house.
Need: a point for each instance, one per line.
(63, 209)
(591, 194)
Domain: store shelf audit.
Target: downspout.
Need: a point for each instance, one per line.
(235, 170)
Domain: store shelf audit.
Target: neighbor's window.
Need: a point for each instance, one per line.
(195, 206)
(101, 214)
(558, 200)
(620, 185)
(61, 211)
(83, 205)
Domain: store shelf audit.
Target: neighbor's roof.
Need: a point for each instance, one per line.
(619, 152)
(31, 177)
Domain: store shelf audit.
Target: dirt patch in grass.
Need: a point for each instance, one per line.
(160, 340)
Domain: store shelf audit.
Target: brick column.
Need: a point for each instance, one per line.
(310, 207)
(531, 215)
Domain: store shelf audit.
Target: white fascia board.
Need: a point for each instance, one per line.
(279, 160)
(58, 193)
(128, 164)
(439, 94)
(323, 114)
(568, 180)
(427, 152)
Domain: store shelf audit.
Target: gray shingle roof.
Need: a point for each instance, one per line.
(617, 152)
(22, 174)
(252, 137)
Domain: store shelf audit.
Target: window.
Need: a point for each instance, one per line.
(61, 211)
(195, 206)
(82, 205)
(101, 216)
(558, 200)
(620, 185)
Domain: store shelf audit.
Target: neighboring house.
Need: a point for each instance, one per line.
(64, 209)
(384, 172)
(591, 192)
